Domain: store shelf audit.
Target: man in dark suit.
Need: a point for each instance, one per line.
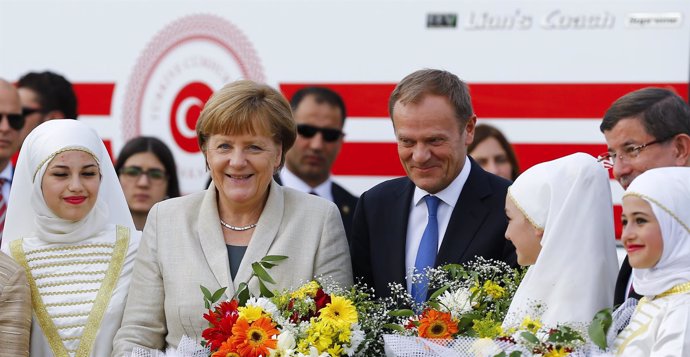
(11, 122)
(644, 129)
(434, 123)
(320, 116)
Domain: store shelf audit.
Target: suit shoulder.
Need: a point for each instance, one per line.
(176, 203)
(294, 198)
(393, 186)
(8, 268)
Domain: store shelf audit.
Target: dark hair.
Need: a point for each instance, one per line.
(247, 107)
(662, 112)
(321, 95)
(53, 90)
(414, 87)
(485, 131)
(157, 147)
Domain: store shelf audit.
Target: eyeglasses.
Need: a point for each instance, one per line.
(308, 131)
(608, 159)
(16, 120)
(134, 172)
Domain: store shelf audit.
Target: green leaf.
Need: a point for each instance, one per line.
(502, 354)
(394, 327)
(261, 273)
(438, 292)
(599, 327)
(267, 265)
(529, 337)
(273, 258)
(264, 290)
(207, 294)
(434, 305)
(242, 294)
(515, 354)
(217, 294)
(401, 313)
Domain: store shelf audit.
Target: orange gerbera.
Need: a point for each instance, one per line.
(254, 340)
(436, 324)
(226, 350)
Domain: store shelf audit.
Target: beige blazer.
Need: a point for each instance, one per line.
(183, 248)
(15, 309)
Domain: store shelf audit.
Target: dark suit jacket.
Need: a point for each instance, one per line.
(379, 229)
(622, 284)
(345, 201)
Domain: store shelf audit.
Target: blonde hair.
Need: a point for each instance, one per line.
(247, 107)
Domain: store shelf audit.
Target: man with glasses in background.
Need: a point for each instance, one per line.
(11, 122)
(644, 129)
(320, 116)
(44, 96)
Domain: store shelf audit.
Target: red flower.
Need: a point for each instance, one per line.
(437, 324)
(221, 321)
(321, 300)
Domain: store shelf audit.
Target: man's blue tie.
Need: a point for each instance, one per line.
(428, 247)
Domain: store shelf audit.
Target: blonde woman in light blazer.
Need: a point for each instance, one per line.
(211, 238)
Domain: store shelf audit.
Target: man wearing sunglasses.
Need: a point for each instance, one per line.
(320, 116)
(45, 96)
(644, 129)
(11, 122)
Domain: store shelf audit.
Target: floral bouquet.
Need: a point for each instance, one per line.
(314, 320)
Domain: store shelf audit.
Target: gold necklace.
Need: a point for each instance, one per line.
(237, 229)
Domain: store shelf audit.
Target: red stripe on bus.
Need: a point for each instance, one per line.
(501, 100)
(381, 159)
(94, 98)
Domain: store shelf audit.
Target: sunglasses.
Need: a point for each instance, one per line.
(134, 172)
(16, 120)
(308, 131)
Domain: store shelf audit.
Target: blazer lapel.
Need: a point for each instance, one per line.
(396, 240)
(212, 241)
(266, 231)
(467, 217)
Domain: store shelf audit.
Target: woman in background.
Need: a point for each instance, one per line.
(148, 175)
(493, 152)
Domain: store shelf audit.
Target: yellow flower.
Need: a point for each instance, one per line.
(308, 289)
(339, 311)
(488, 328)
(557, 352)
(530, 325)
(494, 290)
(250, 313)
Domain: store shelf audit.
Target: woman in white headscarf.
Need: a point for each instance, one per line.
(69, 226)
(656, 235)
(561, 223)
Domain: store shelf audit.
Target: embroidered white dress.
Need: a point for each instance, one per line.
(79, 291)
(659, 327)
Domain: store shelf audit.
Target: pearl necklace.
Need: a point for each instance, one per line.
(237, 229)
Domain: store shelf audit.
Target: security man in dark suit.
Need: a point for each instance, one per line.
(320, 116)
(447, 209)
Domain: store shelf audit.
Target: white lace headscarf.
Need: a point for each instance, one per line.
(667, 190)
(27, 213)
(574, 276)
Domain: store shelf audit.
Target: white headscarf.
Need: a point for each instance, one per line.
(667, 190)
(27, 213)
(574, 276)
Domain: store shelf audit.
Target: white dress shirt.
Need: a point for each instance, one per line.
(291, 180)
(6, 174)
(419, 216)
